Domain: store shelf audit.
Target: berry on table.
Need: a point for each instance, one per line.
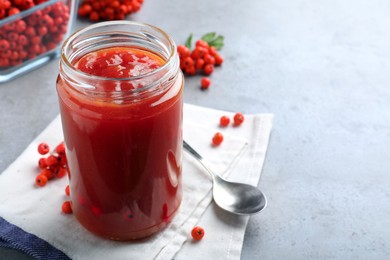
(49, 173)
(208, 69)
(41, 180)
(42, 164)
(60, 149)
(67, 207)
(238, 119)
(217, 138)
(61, 172)
(205, 83)
(197, 233)
(43, 148)
(224, 121)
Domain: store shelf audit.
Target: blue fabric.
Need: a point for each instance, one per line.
(14, 237)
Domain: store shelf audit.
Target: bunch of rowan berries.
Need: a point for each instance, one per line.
(97, 10)
(203, 58)
(52, 166)
(25, 38)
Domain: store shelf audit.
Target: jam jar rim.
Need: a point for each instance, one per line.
(171, 61)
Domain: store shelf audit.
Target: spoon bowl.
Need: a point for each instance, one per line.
(234, 197)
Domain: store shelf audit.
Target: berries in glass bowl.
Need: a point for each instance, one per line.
(31, 32)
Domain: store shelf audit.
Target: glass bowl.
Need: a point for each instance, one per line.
(33, 37)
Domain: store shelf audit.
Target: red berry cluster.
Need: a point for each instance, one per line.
(52, 166)
(224, 121)
(35, 34)
(97, 10)
(202, 58)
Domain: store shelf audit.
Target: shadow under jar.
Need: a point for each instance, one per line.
(121, 99)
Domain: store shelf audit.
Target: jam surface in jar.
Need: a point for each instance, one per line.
(124, 156)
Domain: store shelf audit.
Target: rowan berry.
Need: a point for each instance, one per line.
(201, 43)
(199, 64)
(67, 190)
(49, 173)
(205, 83)
(115, 4)
(13, 11)
(4, 45)
(197, 233)
(46, 20)
(190, 70)
(41, 180)
(224, 121)
(208, 69)
(9, 27)
(213, 51)
(61, 172)
(4, 62)
(199, 52)
(13, 37)
(183, 51)
(94, 16)
(188, 62)
(42, 164)
(238, 119)
(42, 30)
(20, 26)
(14, 56)
(62, 158)
(67, 207)
(36, 40)
(30, 31)
(22, 40)
(123, 9)
(53, 29)
(43, 148)
(27, 4)
(23, 54)
(208, 59)
(5, 4)
(18, 2)
(60, 149)
(136, 5)
(118, 16)
(52, 160)
(217, 138)
(51, 45)
(218, 59)
(58, 20)
(6, 54)
(34, 49)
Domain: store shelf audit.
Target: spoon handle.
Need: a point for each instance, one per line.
(198, 157)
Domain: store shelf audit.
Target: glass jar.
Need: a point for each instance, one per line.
(123, 136)
(33, 37)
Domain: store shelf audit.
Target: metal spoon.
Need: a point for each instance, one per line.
(237, 198)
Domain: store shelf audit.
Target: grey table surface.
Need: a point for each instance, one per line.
(322, 68)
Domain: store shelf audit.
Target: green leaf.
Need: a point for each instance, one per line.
(188, 42)
(217, 42)
(208, 37)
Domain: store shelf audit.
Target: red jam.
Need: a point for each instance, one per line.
(124, 156)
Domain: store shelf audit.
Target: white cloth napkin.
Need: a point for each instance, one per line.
(240, 158)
